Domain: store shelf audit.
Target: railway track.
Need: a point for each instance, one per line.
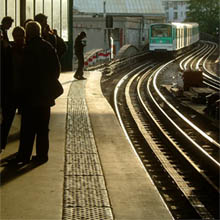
(183, 162)
(197, 61)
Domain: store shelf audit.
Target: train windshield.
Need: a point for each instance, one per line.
(161, 30)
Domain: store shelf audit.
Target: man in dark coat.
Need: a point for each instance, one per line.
(5, 26)
(79, 45)
(41, 68)
(11, 57)
(46, 35)
(7, 98)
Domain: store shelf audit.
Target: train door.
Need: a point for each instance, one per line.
(178, 38)
(185, 36)
(182, 37)
(174, 38)
(190, 36)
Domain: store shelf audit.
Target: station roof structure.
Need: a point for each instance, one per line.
(120, 7)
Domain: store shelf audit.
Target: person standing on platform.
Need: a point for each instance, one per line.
(61, 46)
(11, 56)
(7, 99)
(40, 70)
(46, 34)
(18, 45)
(4, 27)
(79, 45)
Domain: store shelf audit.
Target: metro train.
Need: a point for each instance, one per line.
(172, 37)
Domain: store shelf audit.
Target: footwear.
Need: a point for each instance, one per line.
(38, 159)
(18, 161)
(76, 77)
(79, 77)
(82, 78)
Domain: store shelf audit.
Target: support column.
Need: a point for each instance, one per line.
(22, 11)
(70, 34)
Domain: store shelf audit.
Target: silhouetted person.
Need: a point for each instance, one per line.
(26, 21)
(5, 26)
(46, 34)
(79, 45)
(61, 46)
(12, 61)
(40, 70)
(7, 104)
(17, 60)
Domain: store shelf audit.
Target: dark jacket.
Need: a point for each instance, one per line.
(5, 33)
(79, 45)
(51, 39)
(6, 75)
(40, 70)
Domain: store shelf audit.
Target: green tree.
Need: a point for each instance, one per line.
(206, 13)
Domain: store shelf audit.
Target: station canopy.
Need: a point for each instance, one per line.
(120, 7)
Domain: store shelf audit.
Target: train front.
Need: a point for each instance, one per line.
(160, 38)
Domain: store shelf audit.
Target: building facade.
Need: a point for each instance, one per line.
(175, 10)
(131, 19)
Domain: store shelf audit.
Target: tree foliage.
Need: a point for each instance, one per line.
(206, 13)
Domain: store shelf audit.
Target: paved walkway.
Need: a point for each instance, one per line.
(92, 172)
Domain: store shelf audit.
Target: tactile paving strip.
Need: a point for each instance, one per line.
(87, 213)
(85, 182)
(86, 198)
(85, 193)
(77, 127)
(82, 164)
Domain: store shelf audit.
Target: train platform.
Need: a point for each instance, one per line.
(92, 172)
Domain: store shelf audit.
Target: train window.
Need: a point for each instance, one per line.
(161, 31)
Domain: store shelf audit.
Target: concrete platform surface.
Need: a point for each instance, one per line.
(92, 172)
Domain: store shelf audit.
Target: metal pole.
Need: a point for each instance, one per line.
(34, 8)
(52, 14)
(61, 24)
(43, 6)
(6, 7)
(104, 9)
(70, 33)
(15, 13)
(22, 11)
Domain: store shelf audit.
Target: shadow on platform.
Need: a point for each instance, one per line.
(11, 172)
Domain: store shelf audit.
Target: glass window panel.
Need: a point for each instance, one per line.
(29, 9)
(39, 6)
(56, 15)
(18, 13)
(47, 11)
(11, 12)
(64, 32)
(2, 9)
(11, 8)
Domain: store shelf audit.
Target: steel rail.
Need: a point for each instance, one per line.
(177, 178)
(190, 55)
(197, 56)
(207, 54)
